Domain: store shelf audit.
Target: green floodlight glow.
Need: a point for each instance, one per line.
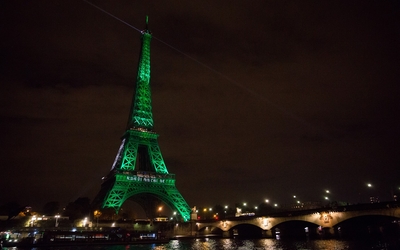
(141, 115)
(139, 168)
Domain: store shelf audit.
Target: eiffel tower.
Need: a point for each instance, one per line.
(139, 172)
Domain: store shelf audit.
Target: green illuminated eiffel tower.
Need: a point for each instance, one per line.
(139, 172)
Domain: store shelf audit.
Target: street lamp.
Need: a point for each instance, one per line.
(372, 198)
(33, 220)
(159, 211)
(97, 214)
(56, 216)
(327, 192)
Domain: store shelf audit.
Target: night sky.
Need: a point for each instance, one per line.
(253, 100)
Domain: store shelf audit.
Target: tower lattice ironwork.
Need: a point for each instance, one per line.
(139, 172)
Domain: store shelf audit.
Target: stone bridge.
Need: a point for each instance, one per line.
(324, 219)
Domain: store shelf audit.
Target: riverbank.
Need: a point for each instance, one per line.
(30, 244)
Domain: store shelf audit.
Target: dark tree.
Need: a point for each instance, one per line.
(265, 209)
(12, 209)
(7, 207)
(78, 209)
(51, 208)
(219, 210)
(108, 214)
(84, 203)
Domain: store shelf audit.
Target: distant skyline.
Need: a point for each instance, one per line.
(252, 100)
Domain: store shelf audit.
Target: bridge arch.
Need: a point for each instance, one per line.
(296, 229)
(371, 226)
(339, 217)
(202, 226)
(210, 230)
(246, 230)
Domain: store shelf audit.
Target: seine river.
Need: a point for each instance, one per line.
(213, 243)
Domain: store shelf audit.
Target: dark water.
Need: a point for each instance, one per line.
(211, 243)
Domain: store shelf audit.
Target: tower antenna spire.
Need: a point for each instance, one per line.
(141, 115)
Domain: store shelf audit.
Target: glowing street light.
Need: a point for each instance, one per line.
(97, 214)
(267, 201)
(159, 211)
(56, 216)
(33, 220)
(84, 222)
(327, 192)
